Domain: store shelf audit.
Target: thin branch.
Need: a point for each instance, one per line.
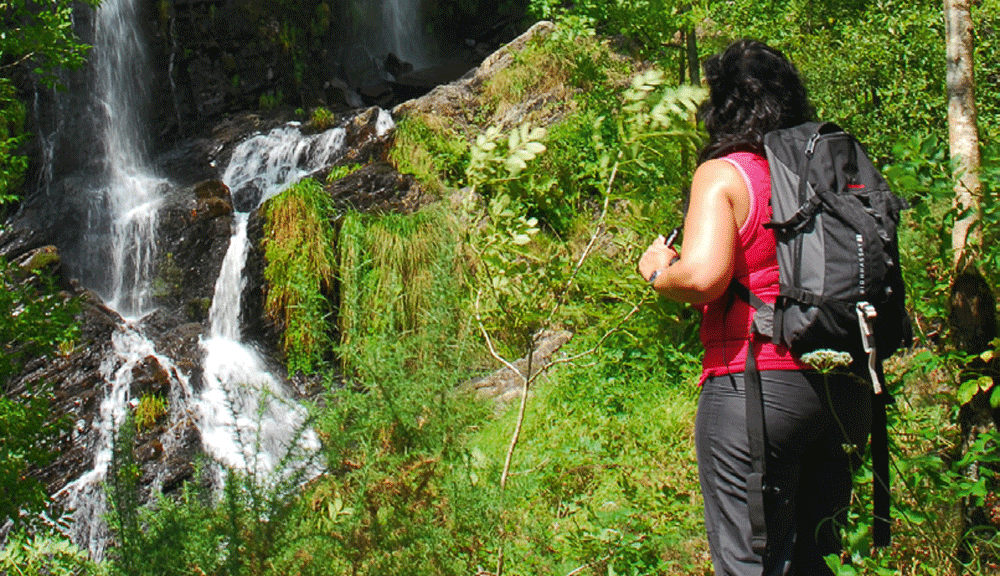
(489, 341)
(18, 62)
(596, 347)
(598, 231)
(521, 411)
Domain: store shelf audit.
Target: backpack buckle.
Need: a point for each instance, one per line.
(866, 322)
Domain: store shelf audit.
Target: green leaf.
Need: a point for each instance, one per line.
(535, 147)
(985, 383)
(967, 390)
(515, 165)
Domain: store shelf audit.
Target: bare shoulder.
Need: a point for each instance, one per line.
(720, 173)
(715, 178)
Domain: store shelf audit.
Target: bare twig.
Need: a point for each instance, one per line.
(596, 347)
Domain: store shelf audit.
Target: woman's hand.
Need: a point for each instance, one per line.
(657, 257)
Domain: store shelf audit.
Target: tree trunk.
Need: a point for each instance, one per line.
(963, 135)
(694, 66)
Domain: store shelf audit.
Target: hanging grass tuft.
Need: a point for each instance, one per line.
(299, 247)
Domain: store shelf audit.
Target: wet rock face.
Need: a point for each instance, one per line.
(195, 227)
(78, 387)
(217, 57)
(377, 187)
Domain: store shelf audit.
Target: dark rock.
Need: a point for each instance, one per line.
(366, 139)
(77, 387)
(377, 187)
(195, 233)
(396, 67)
(180, 340)
(212, 189)
(247, 197)
(181, 448)
(149, 377)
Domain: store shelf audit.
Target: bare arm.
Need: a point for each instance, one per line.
(720, 203)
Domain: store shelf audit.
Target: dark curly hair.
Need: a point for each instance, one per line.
(753, 89)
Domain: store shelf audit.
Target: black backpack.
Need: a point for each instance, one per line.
(841, 287)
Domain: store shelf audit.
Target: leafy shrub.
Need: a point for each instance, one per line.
(322, 119)
(43, 554)
(35, 322)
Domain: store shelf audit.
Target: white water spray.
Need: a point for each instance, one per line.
(404, 29)
(131, 191)
(85, 496)
(247, 420)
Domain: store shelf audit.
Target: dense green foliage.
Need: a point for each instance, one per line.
(36, 323)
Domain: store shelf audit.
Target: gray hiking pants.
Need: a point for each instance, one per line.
(807, 423)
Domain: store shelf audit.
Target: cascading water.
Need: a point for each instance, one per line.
(406, 39)
(85, 496)
(247, 420)
(129, 190)
(119, 247)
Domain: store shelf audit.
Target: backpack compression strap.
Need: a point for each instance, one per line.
(881, 516)
(756, 434)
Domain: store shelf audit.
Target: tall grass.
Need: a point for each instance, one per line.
(299, 247)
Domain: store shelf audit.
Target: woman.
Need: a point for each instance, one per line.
(809, 417)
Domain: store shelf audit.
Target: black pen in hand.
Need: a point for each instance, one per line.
(671, 238)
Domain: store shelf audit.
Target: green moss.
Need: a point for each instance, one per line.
(338, 172)
(197, 309)
(321, 119)
(150, 409)
(169, 277)
(41, 260)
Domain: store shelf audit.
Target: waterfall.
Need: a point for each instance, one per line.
(85, 496)
(118, 250)
(406, 38)
(247, 420)
(129, 192)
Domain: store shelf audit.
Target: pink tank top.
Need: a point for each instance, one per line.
(725, 325)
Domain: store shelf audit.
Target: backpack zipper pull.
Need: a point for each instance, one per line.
(811, 145)
(866, 321)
